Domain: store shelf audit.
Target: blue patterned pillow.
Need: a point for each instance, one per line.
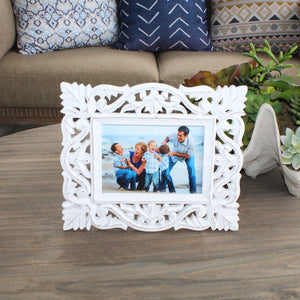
(48, 25)
(159, 25)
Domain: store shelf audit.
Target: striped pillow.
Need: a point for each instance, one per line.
(235, 24)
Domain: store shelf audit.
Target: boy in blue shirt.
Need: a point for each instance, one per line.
(165, 177)
(124, 174)
(152, 161)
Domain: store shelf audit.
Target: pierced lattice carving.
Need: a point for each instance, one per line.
(83, 103)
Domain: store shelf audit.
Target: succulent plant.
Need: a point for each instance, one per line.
(255, 101)
(227, 76)
(272, 69)
(284, 87)
(266, 84)
(290, 148)
(252, 106)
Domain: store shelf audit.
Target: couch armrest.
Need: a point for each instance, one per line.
(7, 27)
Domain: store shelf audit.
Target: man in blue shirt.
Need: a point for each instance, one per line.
(183, 150)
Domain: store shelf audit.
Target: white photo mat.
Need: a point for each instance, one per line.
(156, 121)
(88, 109)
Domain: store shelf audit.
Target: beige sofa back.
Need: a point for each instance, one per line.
(7, 27)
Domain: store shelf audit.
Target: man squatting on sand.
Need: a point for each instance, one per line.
(133, 165)
(123, 173)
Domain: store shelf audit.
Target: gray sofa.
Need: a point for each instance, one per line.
(30, 84)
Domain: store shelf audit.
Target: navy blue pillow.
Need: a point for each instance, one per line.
(160, 25)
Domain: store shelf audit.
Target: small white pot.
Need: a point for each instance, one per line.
(292, 180)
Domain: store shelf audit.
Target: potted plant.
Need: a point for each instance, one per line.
(266, 84)
(290, 159)
(269, 91)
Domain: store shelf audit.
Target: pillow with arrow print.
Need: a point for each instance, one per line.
(160, 25)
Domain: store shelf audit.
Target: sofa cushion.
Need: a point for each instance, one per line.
(7, 27)
(234, 24)
(34, 80)
(44, 26)
(175, 66)
(155, 25)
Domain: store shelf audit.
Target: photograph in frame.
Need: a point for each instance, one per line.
(130, 131)
(153, 137)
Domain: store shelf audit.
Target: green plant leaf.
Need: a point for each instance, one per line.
(286, 139)
(249, 126)
(287, 155)
(285, 143)
(285, 95)
(276, 106)
(298, 67)
(297, 132)
(295, 142)
(296, 162)
(289, 132)
(286, 161)
(283, 83)
(255, 101)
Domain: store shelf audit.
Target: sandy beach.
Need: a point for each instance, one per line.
(179, 175)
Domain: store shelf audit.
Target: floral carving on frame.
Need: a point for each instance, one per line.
(87, 109)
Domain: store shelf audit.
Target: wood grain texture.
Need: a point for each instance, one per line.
(40, 261)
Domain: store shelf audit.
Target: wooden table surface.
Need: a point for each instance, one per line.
(38, 260)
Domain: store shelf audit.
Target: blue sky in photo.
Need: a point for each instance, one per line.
(145, 133)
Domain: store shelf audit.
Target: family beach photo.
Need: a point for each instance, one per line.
(152, 158)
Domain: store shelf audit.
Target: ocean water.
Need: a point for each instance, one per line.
(128, 135)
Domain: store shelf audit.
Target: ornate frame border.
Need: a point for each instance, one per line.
(82, 104)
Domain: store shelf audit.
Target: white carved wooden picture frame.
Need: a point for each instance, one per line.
(96, 117)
